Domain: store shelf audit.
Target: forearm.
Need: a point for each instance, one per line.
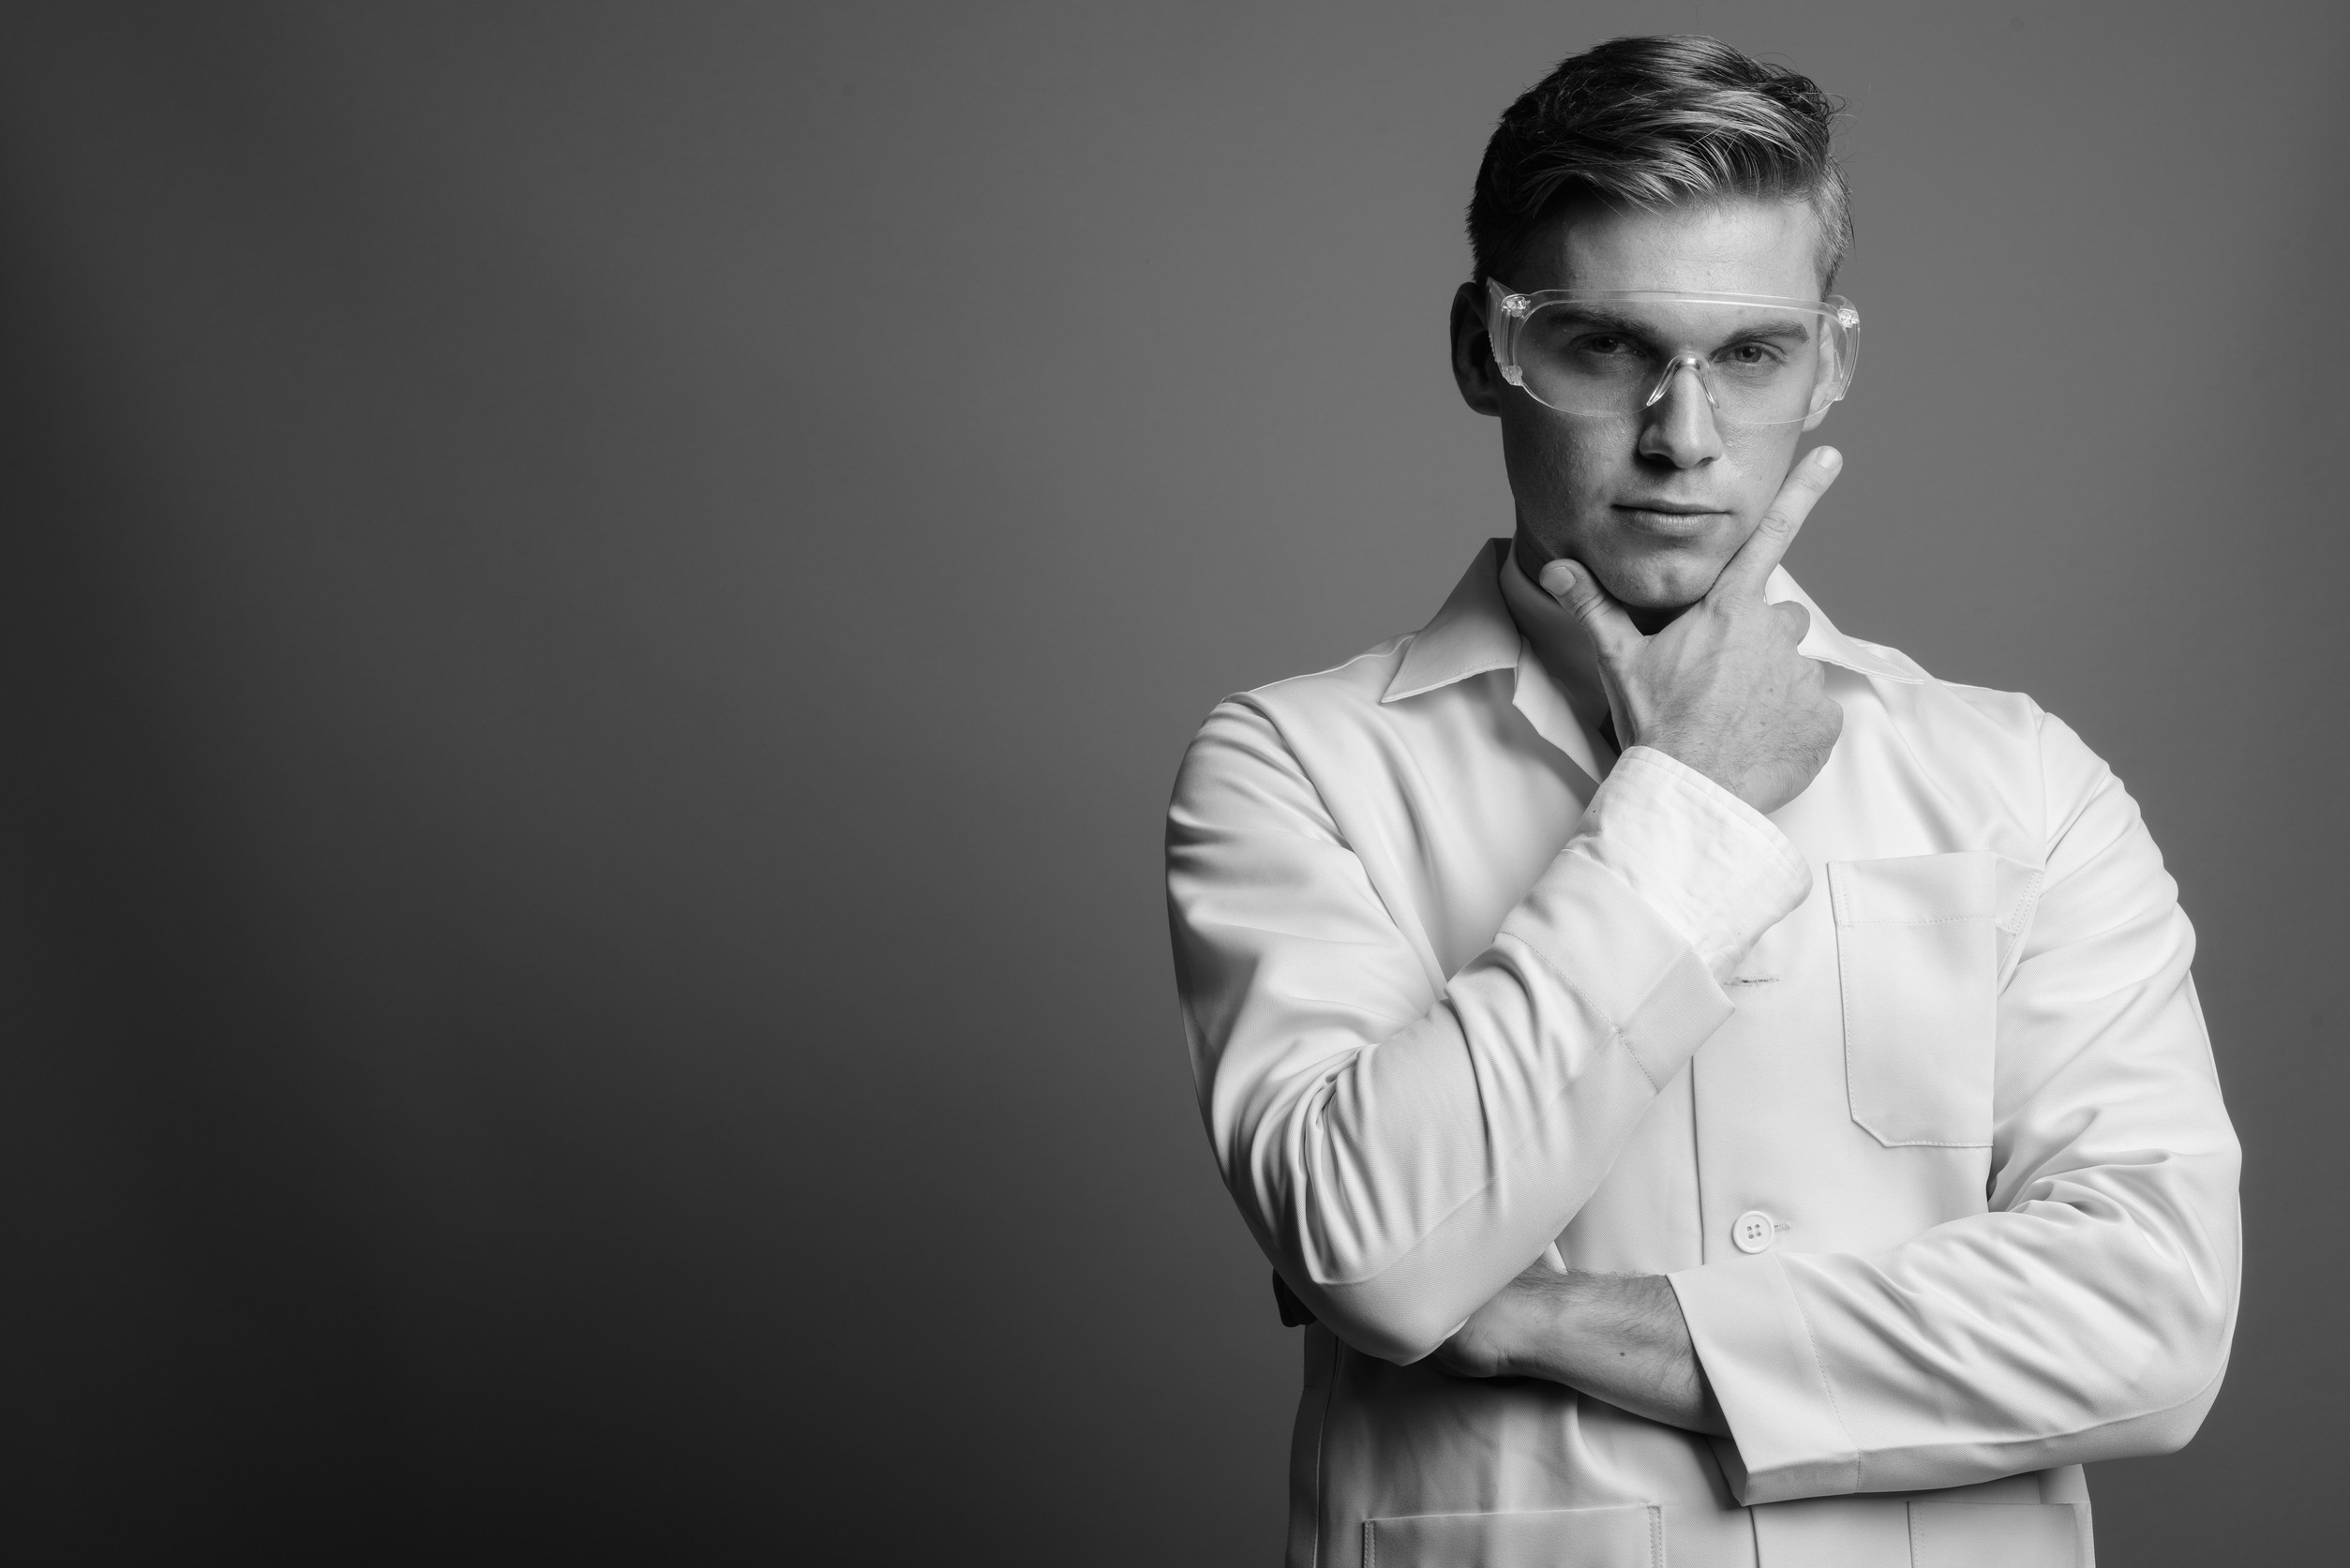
(2062, 1333)
(1617, 1338)
(1393, 1253)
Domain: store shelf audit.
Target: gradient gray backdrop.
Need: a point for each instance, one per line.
(600, 604)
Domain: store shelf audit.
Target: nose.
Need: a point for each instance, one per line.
(1678, 426)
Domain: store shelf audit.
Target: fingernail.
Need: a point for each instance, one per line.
(1558, 578)
(1830, 458)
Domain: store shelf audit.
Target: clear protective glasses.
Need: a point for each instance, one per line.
(1613, 353)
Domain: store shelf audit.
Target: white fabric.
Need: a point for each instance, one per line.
(1451, 1004)
(1710, 863)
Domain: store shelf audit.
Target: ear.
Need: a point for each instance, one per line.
(1473, 368)
(1813, 422)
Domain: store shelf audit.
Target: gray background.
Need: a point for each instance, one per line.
(600, 602)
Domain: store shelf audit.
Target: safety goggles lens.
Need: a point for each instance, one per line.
(1755, 362)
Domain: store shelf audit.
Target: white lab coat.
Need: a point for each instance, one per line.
(1905, 1087)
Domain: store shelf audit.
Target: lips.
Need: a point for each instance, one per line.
(1665, 520)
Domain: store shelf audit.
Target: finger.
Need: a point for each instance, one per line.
(1795, 619)
(1573, 584)
(1751, 567)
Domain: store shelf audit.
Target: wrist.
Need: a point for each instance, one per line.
(1694, 750)
(1572, 1325)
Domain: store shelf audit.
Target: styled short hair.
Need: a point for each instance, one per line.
(1656, 122)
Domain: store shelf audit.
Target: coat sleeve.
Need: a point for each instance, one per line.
(1401, 1142)
(2087, 1315)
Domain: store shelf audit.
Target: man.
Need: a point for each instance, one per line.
(1792, 1140)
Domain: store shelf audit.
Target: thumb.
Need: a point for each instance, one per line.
(1572, 584)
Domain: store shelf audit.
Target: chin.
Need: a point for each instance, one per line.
(1661, 586)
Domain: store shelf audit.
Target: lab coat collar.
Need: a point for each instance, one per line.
(1473, 633)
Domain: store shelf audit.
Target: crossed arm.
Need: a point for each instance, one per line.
(1615, 1337)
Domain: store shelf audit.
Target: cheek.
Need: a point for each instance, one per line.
(1556, 462)
(1758, 461)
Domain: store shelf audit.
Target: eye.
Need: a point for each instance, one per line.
(1605, 344)
(1750, 355)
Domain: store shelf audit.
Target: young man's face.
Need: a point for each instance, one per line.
(1654, 503)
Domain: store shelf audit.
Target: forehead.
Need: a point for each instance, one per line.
(1738, 247)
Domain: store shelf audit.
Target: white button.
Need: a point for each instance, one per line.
(1752, 1232)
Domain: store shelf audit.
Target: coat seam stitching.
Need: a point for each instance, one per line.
(1826, 1384)
(1615, 1030)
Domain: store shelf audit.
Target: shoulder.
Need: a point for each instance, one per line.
(2063, 758)
(1360, 734)
(1975, 712)
(1346, 696)
(1359, 682)
(2086, 833)
(1375, 692)
(1260, 761)
(1944, 723)
(1981, 738)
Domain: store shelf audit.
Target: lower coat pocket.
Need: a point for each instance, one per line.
(1816, 1532)
(1622, 1537)
(1995, 1535)
(1921, 1532)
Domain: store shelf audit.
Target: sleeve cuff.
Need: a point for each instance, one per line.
(1787, 1430)
(1719, 871)
(1614, 951)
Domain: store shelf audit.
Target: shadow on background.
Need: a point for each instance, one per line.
(600, 604)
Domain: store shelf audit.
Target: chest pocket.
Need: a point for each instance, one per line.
(1922, 946)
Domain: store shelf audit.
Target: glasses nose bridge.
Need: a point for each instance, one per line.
(1695, 365)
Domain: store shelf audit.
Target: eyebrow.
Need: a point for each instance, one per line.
(1631, 326)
